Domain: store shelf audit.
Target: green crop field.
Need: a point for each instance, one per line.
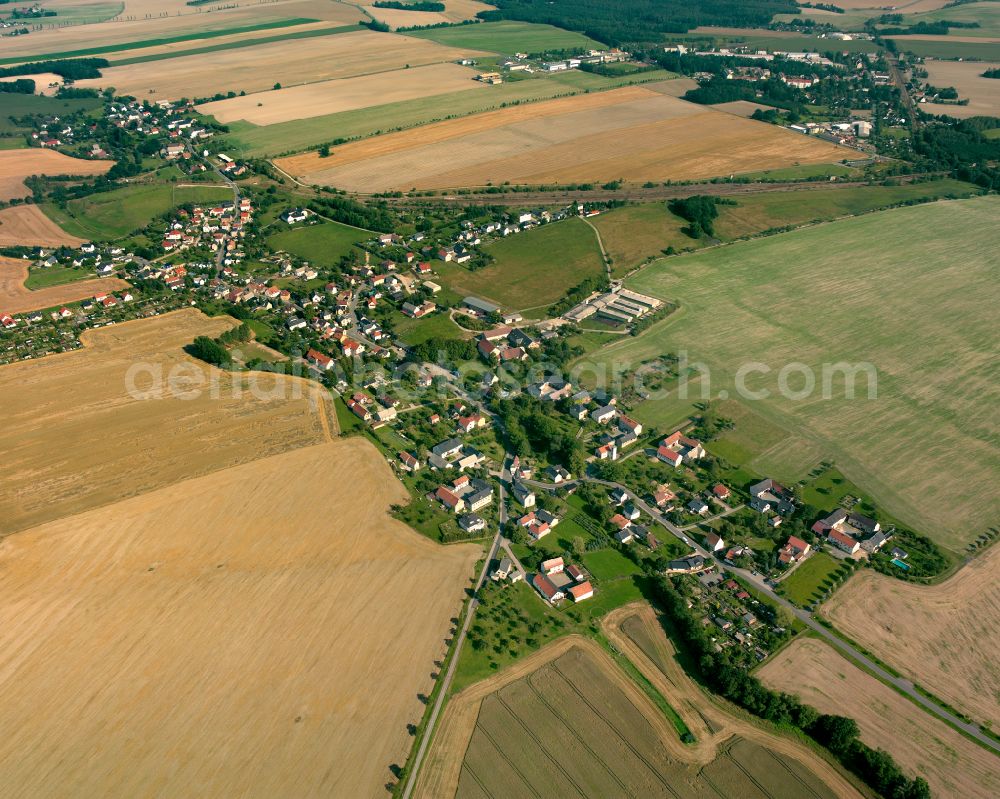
(913, 293)
(532, 269)
(777, 209)
(945, 47)
(986, 13)
(113, 214)
(805, 585)
(437, 327)
(208, 32)
(765, 41)
(215, 48)
(15, 106)
(508, 37)
(55, 276)
(324, 244)
(636, 233)
(609, 564)
(301, 134)
(803, 171)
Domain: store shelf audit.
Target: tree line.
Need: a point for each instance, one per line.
(630, 21)
(839, 734)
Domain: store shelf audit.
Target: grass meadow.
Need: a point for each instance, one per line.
(911, 291)
(532, 269)
(804, 585)
(113, 214)
(508, 37)
(324, 244)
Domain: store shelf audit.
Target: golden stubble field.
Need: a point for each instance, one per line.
(951, 764)
(27, 225)
(74, 438)
(966, 76)
(133, 25)
(15, 298)
(945, 637)
(259, 67)
(633, 133)
(479, 721)
(454, 11)
(16, 165)
(263, 631)
(346, 94)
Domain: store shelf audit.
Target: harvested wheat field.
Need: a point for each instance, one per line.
(256, 68)
(16, 165)
(966, 76)
(944, 637)
(15, 298)
(225, 636)
(75, 438)
(26, 225)
(346, 94)
(632, 133)
(922, 745)
(188, 23)
(593, 732)
(454, 11)
(47, 83)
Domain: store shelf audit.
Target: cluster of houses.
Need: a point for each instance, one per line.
(520, 62)
(556, 580)
(219, 227)
(162, 118)
(505, 344)
(852, 533)
(464, 493)
(625, 432)
(677, 447)
(538, 523)
(729, 608)
(772, 499)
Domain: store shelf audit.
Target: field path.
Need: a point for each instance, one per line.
(600, 246)
(700, 712)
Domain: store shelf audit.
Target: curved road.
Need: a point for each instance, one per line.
(847, 649)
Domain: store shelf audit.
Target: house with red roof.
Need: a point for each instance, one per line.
(550, 593)
(793, 550)
(319, 360)
(581, 591)
(721, 491)
(410, 462)
(843, 541)
(553, 565)
(449, 499)
(677, 446)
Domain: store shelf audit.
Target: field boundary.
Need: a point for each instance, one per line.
(120, 48)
